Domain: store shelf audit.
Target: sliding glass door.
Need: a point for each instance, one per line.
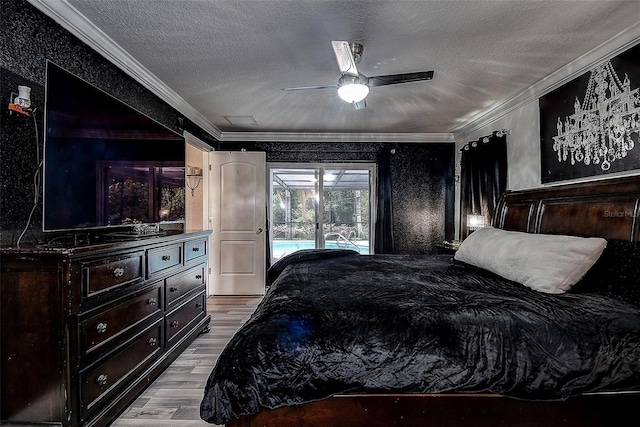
(320, 206)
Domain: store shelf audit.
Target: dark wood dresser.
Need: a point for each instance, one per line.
(85, 329)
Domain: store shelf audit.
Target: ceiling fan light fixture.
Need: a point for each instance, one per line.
(352, 89)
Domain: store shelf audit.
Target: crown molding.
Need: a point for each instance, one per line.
(77, 24)
(194, 140)
(335, 137)
(614, 46)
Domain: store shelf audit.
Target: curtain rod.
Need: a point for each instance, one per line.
(497, 133)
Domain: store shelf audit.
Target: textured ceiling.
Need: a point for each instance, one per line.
(233, 58)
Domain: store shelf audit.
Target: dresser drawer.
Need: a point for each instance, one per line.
(179, 319)
(110, 323)
(100, 381)
(183, 283)
(106, 274)
(163, 258)
(194, 249)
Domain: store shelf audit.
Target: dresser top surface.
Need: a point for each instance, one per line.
(105, 243)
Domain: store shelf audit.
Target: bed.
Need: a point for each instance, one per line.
(348, 339)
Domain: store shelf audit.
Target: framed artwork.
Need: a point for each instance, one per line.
(590, 125)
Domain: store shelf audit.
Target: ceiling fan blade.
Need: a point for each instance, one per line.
(344, 56)
(360, 105)
(394, 79)
(311, 87)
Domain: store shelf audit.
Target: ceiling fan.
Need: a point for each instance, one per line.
(353, 87)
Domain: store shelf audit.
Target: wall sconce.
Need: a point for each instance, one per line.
(475, 222)
(21, 100)
(194, 178)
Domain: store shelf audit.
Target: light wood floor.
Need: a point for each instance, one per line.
(173, 399)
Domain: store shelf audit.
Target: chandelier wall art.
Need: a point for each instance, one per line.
(602, 127)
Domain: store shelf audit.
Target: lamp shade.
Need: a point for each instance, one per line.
(352, 89)
(475, 222)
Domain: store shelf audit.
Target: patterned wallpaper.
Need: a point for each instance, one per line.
(28, 38)
(422, 182)
(422, 174)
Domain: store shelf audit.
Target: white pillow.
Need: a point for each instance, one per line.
(544, 262)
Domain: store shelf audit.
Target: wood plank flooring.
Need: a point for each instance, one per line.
(174, 397)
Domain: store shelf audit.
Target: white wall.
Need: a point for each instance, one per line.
(523, 145)
(197, 205)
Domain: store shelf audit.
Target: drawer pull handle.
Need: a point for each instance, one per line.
(166, 257)
(152, 342)
(151, 301)
(102, 379)
(173, 289)
(101, 328)
(198, 305)
(175, 324)
(118, 272)
(198, 276)
(196, 249)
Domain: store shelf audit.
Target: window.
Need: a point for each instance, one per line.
(320, 206)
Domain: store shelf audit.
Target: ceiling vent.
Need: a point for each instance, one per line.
(242, 120)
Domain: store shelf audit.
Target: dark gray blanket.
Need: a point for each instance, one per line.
(417, 324)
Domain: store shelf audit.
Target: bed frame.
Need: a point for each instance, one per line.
(608, 209)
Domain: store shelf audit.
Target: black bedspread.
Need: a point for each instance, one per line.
(408, 324)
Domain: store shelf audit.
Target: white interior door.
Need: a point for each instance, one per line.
(238, 248)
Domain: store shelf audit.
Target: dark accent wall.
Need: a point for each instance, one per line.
(422, 182)
(28, 38)
(422, 174)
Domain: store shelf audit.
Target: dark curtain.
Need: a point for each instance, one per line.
(483, 178)
(383, 241)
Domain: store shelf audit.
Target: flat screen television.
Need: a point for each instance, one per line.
(106, 165)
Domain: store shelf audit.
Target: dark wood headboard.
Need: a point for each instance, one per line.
(607, 208)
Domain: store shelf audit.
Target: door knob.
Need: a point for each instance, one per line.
(260, 230)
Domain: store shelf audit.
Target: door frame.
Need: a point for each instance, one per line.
(205, 162)
(373, 187)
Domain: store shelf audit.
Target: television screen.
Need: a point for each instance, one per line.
(105, 163)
